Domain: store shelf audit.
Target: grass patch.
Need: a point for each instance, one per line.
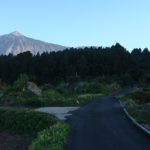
(86, 98)
(141, 113)
(53, 138)
(50, 97)
(47, 131)
(63, 94)
(23, 121)
(137, 104)
(141, 97)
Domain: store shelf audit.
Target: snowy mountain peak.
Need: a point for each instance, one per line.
(16, 33)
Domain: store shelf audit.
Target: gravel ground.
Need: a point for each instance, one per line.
(60, 112)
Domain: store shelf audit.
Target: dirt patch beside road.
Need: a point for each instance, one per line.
(10, 141)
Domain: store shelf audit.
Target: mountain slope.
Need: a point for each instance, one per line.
(16, 43)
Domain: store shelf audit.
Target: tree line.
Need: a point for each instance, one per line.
(83, 63)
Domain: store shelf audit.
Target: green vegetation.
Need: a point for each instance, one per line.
(137, 103)
(63, 94)
(20, 83)
(24, 121)
(141, 113)
(85, 98)
(53, 138)
(49, 97)
(45, 129)
(141, 97)
(20, 98)
(17, 100)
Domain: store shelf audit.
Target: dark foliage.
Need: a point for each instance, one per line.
(24, 121)
(75, 64)
(141, 96)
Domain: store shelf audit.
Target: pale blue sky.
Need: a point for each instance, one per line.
(79, 22)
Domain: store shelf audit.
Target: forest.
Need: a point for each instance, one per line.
(79, 64)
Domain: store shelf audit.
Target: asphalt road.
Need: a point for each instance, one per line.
(103, 125)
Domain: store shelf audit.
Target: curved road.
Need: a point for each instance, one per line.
(103, 125)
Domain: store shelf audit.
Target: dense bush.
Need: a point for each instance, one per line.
(20, 98)
(63, 94)
(110, 88)
(88, 87)
(52, 97)
(141, 113)
(64, 88)
(24, 121)
(53, 138)
(85, 98)
(137, 104)
(141, 96)
(8, 95)
(82, 93)
(21, 82)
(98, 85)
(27, 98)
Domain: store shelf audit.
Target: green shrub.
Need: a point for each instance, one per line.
(1, 94)
(96, 87)
(109, 88)
(24, 121)
(64, 88)
(88, 87)
(141, 113)
(28, 102)
(21, 82)
(84, 98)
(53, 98)
(125, 80)
(21, 98)
(141, 96)
(105, 79)
(27, 98)
(137, 107)
(8, 96)
(64, 94)
(47, 87)
(53, 138)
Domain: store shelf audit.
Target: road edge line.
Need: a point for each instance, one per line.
(134, 121)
